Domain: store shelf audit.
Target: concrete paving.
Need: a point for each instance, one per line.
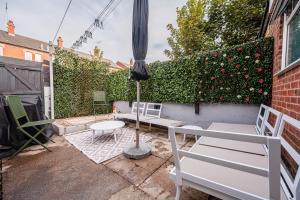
(66, 173)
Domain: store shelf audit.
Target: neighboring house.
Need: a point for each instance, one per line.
(16, 46)
(122, 65)
(282, 21)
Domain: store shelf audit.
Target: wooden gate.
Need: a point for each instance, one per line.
(20, 77)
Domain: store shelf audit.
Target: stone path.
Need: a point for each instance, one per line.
(66, 173)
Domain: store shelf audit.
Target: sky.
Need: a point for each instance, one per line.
(40, 19)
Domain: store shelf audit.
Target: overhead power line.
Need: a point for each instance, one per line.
(62, 20)
(97, 23)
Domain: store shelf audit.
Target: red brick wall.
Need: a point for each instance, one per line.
(286, 86)
(19, 52)
(285, 94)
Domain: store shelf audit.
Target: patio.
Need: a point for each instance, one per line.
(38, 174)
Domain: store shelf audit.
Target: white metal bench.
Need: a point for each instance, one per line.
(132, 114)
(151, 116)
(231, 174)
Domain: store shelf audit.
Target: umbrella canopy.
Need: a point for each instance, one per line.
(140, 39)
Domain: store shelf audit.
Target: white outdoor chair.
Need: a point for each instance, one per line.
(267, 129)
(132, 114)
(153, 117)
(223, 177)
(290, 182)
(244, 128)
(289, 189)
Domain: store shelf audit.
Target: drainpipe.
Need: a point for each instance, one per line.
(51, 51)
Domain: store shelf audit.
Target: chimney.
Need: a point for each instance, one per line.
(60, 42)
(11, 28)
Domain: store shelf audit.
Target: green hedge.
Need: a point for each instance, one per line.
(239, 74)
(75, 79)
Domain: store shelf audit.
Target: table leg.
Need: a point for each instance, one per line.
(93, 136)
(115, 136)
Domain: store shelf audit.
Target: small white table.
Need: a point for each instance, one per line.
(107, 127)
(193, 127)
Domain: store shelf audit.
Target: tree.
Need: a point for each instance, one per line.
(209, 24)
(242, 21)
(190, 36)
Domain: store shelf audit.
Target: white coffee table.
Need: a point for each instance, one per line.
(107, 127)
(192, 127)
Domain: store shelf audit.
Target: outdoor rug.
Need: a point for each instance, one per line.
(104, 146)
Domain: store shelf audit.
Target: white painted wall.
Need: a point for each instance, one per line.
(229, 113)
(47, 100)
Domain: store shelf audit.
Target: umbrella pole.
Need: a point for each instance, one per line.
(137, 128)
(138, 149)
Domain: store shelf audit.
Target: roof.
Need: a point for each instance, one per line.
(22, 41)
(122, 65)
(277, 9)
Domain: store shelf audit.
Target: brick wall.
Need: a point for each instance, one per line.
(286, 86)
(19, 52)
(285, 93)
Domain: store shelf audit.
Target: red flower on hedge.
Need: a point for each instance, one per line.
(247, 76)
(230, 60)
(247, 99)
(257, 55)
(212, 78)
(261, 81)
(238, 66)
(223, 70)
(259, 69)
(221, 98)
(239, 49)
(260, 91)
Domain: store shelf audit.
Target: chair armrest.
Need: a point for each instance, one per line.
(37, 123)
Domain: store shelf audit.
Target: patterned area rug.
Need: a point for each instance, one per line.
(104, 146)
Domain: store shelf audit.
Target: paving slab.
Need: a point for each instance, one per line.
(66, 173)
(135, 171)
(160, 186)
(62, 174)
(131, 193)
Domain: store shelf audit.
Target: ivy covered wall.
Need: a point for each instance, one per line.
(239, 74)
(75, 79)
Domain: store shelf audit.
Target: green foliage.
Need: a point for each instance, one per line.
(209, 24)
(190, 37)
(242, 21)
(239, 74)
(75, 79)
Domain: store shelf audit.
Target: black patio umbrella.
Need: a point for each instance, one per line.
(139, 70)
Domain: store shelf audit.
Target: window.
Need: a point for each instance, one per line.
(291, 52)
(1, 51)
(28, 55)
(38, 57)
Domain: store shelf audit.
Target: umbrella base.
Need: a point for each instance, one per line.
(132, 152)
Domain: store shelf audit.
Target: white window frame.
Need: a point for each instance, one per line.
(27, 52)
(35, 56)
(287, 20)
(1, 50)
